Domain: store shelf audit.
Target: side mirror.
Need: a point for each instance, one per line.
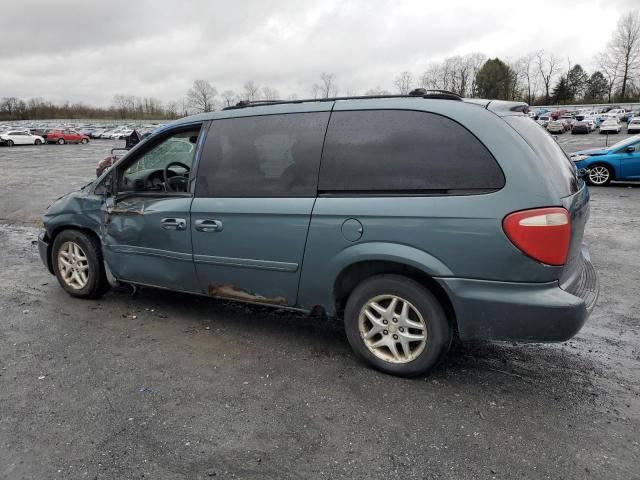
(630, 149)
(106, 186)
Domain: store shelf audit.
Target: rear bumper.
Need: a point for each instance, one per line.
(44, 248)
(533, 312)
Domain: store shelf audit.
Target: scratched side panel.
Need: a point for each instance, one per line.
(137, 249)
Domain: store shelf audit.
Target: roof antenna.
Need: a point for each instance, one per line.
(418, 92)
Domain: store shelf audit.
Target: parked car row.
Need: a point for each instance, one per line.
(587, 124)
(26, 137)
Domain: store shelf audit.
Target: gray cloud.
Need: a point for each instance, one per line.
(89, 51)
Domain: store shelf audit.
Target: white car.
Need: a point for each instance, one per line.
(616, 113)
(543, 120)
(610, 125)
(20, 137)
(634, 125)
(121, 134)
(555, 126)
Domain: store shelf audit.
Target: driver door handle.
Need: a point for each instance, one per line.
(174, 223)
(207, 225)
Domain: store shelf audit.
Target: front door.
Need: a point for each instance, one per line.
(630, 162)
(255, 192)
(146, 225)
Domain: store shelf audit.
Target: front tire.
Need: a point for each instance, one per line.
(84, 141)
(78, 265)
(38, 141)
(600, 175)
(61, 141)
(396, 325)
(10, 143)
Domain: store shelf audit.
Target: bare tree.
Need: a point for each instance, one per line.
(610, 68)
(326, 88)
(251, 91)
(548, 66)
(476, 60)
(624, 49)
(377, 91)
(526, 69)
(457, 74)
(172, 109)
(269, 93)
(124, 104)
(201, 96)
(404, 82)
(229, 98)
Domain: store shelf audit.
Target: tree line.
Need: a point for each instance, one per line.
(538, 78)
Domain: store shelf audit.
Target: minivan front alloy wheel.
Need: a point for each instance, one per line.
(397, 325)
(76, 258)
(73, 265)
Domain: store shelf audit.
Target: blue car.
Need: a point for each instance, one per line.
(617, 162)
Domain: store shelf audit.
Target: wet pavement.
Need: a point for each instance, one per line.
(167, 385)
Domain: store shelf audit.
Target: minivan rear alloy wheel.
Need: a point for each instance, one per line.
(599, 175)
(396, 325)
(77, 262)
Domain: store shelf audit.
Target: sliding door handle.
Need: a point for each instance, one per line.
(208, 225)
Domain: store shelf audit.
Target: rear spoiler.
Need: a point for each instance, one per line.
(501, 107)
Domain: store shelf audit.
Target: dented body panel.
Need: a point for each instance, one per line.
(138, 249)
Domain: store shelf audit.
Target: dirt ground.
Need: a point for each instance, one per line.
(172, 386)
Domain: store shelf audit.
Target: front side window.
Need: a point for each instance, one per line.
(404, 151)
(164, 167)
(263, 156)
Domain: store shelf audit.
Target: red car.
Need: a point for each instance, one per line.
(65, 136)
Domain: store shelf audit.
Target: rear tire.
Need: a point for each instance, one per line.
(38, 141)
(390, 339)
(77, 262)
(61, 141)
(84, 141)
(600, 175)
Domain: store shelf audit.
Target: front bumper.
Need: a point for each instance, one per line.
(44, 248)
(533, 312)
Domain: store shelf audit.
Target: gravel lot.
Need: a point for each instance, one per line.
(166, 385)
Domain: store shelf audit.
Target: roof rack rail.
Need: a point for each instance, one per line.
(417, 93)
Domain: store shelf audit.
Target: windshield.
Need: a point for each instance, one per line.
(624, 143)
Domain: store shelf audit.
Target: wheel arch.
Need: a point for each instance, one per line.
(51, 236)
(355, 273)
(606, 163)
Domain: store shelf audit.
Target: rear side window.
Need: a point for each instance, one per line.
(554, 163)
(266, 156)
(394, 151)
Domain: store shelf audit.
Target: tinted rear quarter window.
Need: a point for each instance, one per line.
(263, 156)
(556, 167)
(396, 150)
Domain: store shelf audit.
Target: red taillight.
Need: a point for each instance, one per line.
(542, 233)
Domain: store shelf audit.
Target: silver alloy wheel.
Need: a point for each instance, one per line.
(599, 175)
(392, 329)
(73, 265)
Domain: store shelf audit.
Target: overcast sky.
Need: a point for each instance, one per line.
(88, 51)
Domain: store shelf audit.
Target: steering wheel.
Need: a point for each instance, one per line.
(177, 183)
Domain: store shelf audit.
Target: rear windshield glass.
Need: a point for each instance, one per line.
(559, 170)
